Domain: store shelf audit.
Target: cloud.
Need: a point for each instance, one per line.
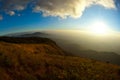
(72, 8)
(1, 17)
(106, 3)
(60, 8)
(11, 13)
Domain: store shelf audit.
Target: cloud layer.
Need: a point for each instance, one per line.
(60, 8)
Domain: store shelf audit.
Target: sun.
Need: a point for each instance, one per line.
(99, 28)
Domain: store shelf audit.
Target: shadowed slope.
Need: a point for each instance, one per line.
(26, 40)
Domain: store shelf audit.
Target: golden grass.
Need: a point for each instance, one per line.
(48, 62)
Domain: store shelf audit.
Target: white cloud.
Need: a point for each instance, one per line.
(110, 4)
(60, 8)
(11, 13)
(72, 8)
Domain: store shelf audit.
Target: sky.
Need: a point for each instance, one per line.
(31, 15)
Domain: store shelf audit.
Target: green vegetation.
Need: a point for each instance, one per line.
(23, 61)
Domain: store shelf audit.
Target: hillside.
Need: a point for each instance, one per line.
(41, 59)
(74, 48)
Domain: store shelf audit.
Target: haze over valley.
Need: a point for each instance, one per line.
(83, 44)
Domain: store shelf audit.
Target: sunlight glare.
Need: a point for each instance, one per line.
(99, 28)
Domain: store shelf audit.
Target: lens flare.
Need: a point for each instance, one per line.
(99, 28)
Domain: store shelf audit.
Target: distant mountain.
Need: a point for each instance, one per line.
(27, 34)
(110, 57)
(33, 58)
(77, 50)
(35, 34)
(71, 48)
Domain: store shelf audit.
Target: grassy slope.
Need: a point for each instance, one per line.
(47, 62)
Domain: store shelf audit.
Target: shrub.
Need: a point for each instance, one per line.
(119, 72)
(5, 61)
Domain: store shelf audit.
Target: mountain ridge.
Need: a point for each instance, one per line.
(76, 50)
(41, 61)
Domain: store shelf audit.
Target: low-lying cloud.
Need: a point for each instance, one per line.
(60, 8)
